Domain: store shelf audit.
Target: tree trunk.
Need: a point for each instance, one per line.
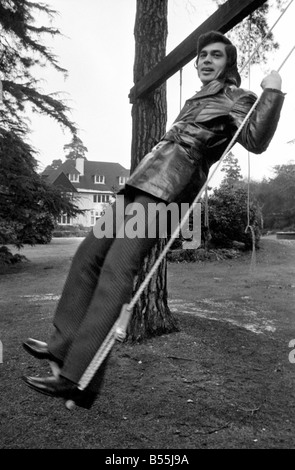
(151, 314)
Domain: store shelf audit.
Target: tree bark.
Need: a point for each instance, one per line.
(151, 315)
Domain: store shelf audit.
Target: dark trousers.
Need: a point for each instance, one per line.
(99, 282)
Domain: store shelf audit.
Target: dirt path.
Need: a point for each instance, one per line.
(223, 381)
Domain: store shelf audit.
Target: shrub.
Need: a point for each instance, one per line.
(228, 216)
(36, 230)
(6, 257)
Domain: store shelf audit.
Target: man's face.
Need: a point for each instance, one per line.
(211, 62)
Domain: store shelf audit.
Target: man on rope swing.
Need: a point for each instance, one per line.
(102, 272)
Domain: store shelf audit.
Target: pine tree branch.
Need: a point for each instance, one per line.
(44, 103)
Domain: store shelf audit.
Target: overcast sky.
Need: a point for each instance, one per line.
(98, 51)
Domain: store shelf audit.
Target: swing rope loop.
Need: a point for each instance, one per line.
(249, 226)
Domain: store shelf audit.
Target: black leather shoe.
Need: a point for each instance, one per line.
(39, 349)
(62, 388)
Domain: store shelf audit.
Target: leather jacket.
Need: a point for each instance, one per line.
(178, 166)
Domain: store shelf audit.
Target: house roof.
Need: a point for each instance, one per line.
(61, 181)
(111, 171)
(68, 167)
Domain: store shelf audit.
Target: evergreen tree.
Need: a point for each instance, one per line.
(21, 51)
(231, 168)
(55, 164)
(249, 32)
(75, 149)
(28, 205)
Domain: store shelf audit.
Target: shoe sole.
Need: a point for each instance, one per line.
(42, 356)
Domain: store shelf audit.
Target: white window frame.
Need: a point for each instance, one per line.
(94, 216)
(122, 180)
(99, 179)
(91, 217)
(64, 219)
(74, 178)
(101, 198)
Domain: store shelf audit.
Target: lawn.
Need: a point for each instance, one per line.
(224, 381)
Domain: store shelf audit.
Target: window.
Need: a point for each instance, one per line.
(94, 216)
(122, 180)
(91, 217)
(74, 178)
(105, 198)
(99, 179)
(101, 198)
(64, 219)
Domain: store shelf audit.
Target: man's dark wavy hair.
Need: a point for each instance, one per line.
(230, 73)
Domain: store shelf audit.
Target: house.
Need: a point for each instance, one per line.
(92, 185)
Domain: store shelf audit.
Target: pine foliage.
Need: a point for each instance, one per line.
(28, 206)
(21, 50)
(75, 149)
(251, 31)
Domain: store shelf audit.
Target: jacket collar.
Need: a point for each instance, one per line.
(211, 89)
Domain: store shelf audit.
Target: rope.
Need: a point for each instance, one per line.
(110, 339)
(184, 219)
(180, 89)
(186, 216)
(207, 235)
(126, 312)
(206, 217)
(116, 333)
(264, 38)
(127, 308)
(286, 58)
(249, 226)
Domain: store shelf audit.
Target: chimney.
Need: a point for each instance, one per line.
(80, 165)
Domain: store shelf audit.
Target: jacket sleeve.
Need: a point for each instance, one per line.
(259, 129)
